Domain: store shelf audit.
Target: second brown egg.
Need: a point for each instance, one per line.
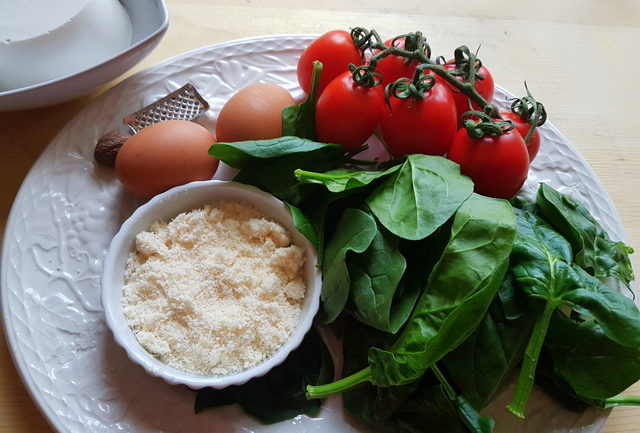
(253, 113)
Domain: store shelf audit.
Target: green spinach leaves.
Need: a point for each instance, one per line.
(270, 164)
(355, 232)
(426, 275)
(299, 120)
(595, 366)
(458, 292)
(593, 249)
(280, 394)
(457, 295)
(420, 196)
(543, 267)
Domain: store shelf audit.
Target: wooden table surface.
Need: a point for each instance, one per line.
(578, 56)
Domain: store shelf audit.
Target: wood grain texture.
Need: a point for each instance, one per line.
(577, 56)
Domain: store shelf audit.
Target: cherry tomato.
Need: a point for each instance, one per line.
(498, 166)
(348, 113)
(393, 67)
(335, 49)
(425, 125)
(523, 128)
(484, 87)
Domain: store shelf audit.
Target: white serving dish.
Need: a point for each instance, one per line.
(68, 210)
(167, 205)
(149, 22)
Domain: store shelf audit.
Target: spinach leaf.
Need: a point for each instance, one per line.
(247, 154)
(543, 269)
(514, 304)
(423, 405)
(343, 179)
(617, 315)
(458, 293)
(355, 232)
(280, 394)
(368, 403)
(592, 364)
(375, 276)
(323, 210)
(299, 120)
(277, 175)
(481, 363)
(428, 409)
(593, 249)
(303, 225)
(385, 295)
(436, 407)
(421, 257)
(420, 196)
(523, 203)
(471, 418)
(557, 387)
(394, 307)
(270, 164)
(466, 412)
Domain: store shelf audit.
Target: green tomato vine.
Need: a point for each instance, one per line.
(462, 78)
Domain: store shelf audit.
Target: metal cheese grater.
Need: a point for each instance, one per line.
(182, 104)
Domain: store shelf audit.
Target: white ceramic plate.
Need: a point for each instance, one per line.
(68, 209)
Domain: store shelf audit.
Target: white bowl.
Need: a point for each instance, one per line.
(149, 22)
(166, 206)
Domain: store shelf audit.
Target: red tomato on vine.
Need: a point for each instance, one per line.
(394, 67)
(484, 86)
(527, 113)
(347, 113)
(498, 164)
(533, 146)
(423, 123)
(336, 50)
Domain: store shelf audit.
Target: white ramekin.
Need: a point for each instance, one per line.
(166, 206)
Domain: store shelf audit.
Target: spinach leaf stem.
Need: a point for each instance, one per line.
(621, 400)
(530, 361)
(344, 384)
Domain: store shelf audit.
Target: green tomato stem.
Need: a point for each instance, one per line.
(345, 384)
(467, 88)
(530, 111)
(530, 361)
(537, 114)
(532, 127)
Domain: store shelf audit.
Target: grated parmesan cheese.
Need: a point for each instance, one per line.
(216, 290)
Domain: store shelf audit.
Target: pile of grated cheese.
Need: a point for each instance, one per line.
(216, 290)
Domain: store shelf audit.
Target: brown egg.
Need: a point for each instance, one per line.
(164, 155)
(254, 113)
